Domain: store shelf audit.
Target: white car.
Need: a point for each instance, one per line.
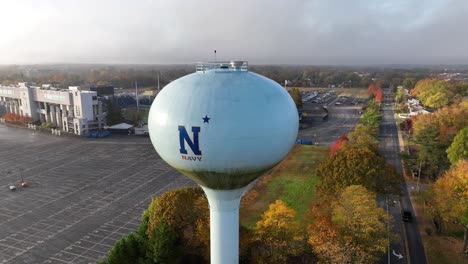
(12, 187)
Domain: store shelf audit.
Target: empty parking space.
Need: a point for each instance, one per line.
(82, 196)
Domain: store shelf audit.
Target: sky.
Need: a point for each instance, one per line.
(315, 32)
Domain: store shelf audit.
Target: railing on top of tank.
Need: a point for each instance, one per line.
(224, 66)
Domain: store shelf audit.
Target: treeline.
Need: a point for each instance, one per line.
(433, 135)
(438, 152)
(445, 201)
(440, 156)
(435, 93)
(175, 228)
(315, 76)
(125, 76)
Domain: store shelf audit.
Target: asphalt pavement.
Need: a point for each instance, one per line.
(83, 194)
(409, 248)
(325, 131)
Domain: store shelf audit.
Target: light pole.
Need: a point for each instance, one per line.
(388, 231)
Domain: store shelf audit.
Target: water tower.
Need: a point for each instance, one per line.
(223, 126)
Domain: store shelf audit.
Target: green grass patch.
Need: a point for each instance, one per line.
(292, 181)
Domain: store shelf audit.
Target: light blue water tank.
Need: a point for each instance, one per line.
(223, 126)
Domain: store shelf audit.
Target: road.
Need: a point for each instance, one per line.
(84, 194)
(408, 232)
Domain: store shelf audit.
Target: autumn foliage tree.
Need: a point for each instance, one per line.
(344, 235)
(181, 212)
(434, 133)
(435, 93)
(338, 144)
(376, 92)
(371, 89)
(174, 229)
(277, 235)
(450, 194)
(364, 136)
(379, 95)
(325, 242)
(356, 165)
(366, 237)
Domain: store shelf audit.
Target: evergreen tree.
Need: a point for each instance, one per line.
(114, 113)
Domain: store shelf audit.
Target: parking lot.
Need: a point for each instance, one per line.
(327, 115)
(83, 195)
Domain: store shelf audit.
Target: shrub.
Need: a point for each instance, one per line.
(15, 118)
(428, 231)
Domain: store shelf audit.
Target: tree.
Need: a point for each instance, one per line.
(371, 89)
(128, 250)
(458, 150)
(364, 136)
(434, 93)
(409, 82)
(451, 197)
(356, 165)
(162, 243)
(174, 229)
(277, 235)
(407, 125)
(366, 237)
(114, 113)
(371, 118)
(296, 96)
(431, 155)
(434, 133)
(326, 242)
(354, 231)
(338, 144)
(178, 213)
(400, 94)
(379, 95)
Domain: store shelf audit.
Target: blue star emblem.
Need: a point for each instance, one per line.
(206, 119)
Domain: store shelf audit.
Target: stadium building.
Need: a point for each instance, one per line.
(72, 110)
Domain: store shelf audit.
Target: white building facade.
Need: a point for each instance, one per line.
(71, 110)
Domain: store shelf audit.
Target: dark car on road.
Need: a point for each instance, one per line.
(407, 216)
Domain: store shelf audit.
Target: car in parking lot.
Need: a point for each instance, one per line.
(406, 215)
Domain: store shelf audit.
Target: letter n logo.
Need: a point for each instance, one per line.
(184, 137)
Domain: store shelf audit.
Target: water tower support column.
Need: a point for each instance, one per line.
(224, 224)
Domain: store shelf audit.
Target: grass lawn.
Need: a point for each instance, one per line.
(292, 181)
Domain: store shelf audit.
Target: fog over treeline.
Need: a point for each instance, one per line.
(125, 76)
